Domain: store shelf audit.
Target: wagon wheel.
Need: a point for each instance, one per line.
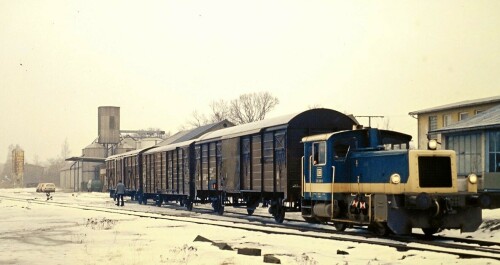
(189, 205)
(220, 211)
(311, 220)
(279, 215)
(430, 231)
(339, 226)
(251, 207)
(218, 206)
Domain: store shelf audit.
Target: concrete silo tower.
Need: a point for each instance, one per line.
(109, 127)
(18, 167)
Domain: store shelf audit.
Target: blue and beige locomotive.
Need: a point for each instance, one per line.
(370, 177)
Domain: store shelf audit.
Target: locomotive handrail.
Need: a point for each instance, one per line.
(303, 175)
(333, 183)
(310, 175)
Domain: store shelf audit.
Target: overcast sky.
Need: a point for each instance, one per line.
(160, 60)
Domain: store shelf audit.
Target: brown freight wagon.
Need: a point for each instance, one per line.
(126, 167)
(167, 174)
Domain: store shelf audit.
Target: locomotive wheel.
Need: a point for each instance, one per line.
(430, 231)
(339, 226)
(380, 229)
(250, 211)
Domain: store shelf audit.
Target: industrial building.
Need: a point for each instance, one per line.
(432, 119)
(111, 140)
(472, 129)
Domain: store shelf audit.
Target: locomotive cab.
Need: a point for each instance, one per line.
(369, 177)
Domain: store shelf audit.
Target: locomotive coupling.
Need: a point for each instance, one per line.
(422, 201)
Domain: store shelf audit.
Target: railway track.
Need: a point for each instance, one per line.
(464, 248)
(411, 238)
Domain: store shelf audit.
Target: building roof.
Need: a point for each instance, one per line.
(461, 104)
(485, 120)
(94, 145)
(86, 159)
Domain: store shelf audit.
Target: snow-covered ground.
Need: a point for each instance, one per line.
(32, 233)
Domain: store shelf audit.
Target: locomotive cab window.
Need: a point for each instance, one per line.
(319, 153)
(341, 147)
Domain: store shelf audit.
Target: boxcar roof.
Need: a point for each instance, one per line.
(127, 154)
(342, 121)
(169, 147)
(248, 128)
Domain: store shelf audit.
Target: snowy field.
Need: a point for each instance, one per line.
(32, 233)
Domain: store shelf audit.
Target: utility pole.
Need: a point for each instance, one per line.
(369, 118)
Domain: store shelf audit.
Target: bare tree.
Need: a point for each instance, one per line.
(220, 111)
(65, 152)
(246, 108)
(197, 120)
(251, 107)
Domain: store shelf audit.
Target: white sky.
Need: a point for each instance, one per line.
(160, 60)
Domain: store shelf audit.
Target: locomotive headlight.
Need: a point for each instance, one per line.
(432, 144)
(395, 178)
(472, 178)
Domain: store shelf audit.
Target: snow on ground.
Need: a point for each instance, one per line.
(32, 233)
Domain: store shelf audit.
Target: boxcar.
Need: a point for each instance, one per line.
(168, 174)
(127, 167)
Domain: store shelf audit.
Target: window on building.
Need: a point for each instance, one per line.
(478, 111)
(446, 120)
(432, 127)
(432, 123)
(463, 116)
(468, 150)
(493, 152)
